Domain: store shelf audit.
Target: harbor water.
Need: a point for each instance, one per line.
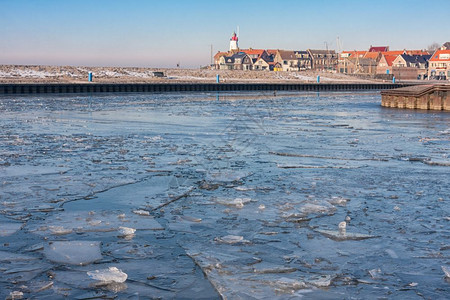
(253, 195)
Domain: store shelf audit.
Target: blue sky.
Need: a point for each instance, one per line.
(148, 33)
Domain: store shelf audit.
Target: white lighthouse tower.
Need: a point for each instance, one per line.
(234, 42)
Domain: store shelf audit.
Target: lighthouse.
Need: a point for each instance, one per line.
(234, 42)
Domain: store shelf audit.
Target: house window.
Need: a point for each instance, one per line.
(285, 62)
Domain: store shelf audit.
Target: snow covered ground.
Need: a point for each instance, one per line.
(9, 73)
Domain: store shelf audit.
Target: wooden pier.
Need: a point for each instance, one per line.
(431, 97)
(69, 88)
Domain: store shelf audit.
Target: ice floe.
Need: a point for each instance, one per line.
(73, 252)
(110, 275)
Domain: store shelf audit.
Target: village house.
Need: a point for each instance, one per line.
(304, 60)
(323, 60)
(410, 66)
(362, 66)
(287, 60)
(219, 61)
(263, 64)
(240, 61)
(261, 60)
(384, 66)
(411, 61)
(439, 65)
(358, 62)
(226, 63)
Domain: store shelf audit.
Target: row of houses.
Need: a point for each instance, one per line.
(377, 61)
(403, 64)
(276, 60)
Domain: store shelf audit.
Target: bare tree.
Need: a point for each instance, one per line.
(433, 47)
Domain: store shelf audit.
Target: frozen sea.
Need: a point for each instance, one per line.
(231, 195)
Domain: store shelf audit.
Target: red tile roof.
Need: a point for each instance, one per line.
(379, 49)
(258, 52)
(417, 52)
(219, 54)
(355, 53)
(390, 59)
(397, 52)
(371, 55)
(441, 55)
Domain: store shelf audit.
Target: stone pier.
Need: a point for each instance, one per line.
(432, 97)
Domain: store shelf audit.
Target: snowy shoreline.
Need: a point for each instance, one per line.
(73, 74)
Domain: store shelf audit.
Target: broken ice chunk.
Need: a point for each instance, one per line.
(231, 239)
(319, 207)
(126, 231)
(110, 275)
(287, 285)
(73, 252)
(141, 212)
(338, 201)
(15, 295)
(320, 281)
(344, 236)
(446, 271)
(59, 230)
(375, 273)
(237, 202)
(190, 219)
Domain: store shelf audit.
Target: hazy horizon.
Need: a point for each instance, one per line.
(161, 34)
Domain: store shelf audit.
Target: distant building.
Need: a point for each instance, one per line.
(237, 61)
(411, 61)
(304, 60)
(323, 60)
(264, 64)
(439, 65)
(217, 59)
(410, 66)
(384, 66)
(287, 60)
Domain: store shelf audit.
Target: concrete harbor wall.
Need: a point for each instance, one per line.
(429, 97)
(187, 87)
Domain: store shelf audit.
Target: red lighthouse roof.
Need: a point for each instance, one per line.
(234, 37)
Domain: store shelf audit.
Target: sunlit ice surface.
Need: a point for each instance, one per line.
(234, 195)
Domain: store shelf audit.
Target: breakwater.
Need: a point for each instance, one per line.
(51, 88)
(429, 97)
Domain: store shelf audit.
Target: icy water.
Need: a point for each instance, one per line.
(240, 196)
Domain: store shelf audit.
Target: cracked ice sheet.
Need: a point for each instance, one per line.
(9, 228)
(73, 252)
(117, 137)
(235, 274)
(64, 223)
